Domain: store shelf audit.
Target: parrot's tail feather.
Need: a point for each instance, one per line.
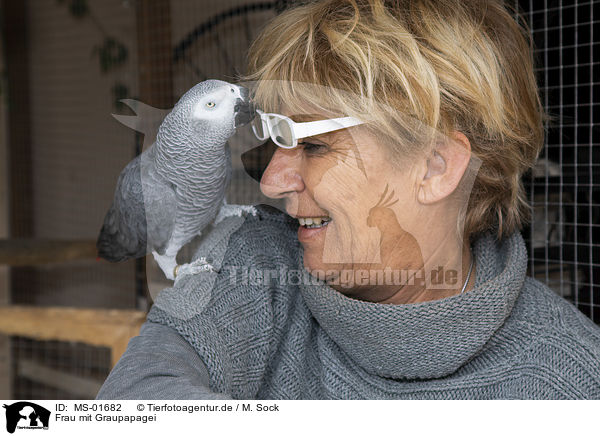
(111, 247)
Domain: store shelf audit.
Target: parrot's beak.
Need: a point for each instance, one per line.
(244, 109)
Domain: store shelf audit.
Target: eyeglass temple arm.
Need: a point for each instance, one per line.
(312, 128)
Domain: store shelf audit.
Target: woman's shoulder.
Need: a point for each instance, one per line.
(554, 340)
(546, 349)
(539, 305)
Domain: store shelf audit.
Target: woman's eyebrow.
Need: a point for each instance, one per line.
(312, 139)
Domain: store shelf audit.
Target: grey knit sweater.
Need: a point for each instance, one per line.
(231, 335)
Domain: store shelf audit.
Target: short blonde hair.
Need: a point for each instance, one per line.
(463, 65)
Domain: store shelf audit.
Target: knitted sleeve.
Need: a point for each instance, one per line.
(158, 365)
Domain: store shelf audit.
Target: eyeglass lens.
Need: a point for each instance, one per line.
(258, 127)
(282, 132)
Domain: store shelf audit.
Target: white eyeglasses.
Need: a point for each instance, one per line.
(285, 132)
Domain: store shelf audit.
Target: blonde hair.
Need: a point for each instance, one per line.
(463, 65)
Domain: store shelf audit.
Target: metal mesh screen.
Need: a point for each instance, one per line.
(47, 370)
(563, 238)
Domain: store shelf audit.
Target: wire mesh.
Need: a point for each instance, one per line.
(47, 370)
(564, 187)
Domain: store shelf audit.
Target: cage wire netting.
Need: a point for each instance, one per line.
(84, 56)
(58, 370)
(564, 234)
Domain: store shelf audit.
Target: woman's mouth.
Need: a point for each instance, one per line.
(314, 223)
(312, 227)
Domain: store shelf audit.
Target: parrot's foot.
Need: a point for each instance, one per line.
(167, 264)
(228, 210)
(192, 268)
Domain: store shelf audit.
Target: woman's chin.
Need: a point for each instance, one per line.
(312, 241)
(312, 261)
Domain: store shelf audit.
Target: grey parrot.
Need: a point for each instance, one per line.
(173, 190)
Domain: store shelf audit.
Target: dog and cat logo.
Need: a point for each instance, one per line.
(26, 415)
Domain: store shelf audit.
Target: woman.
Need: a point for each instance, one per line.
(400, 270)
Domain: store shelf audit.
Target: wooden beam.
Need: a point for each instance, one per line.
(15, 26)
(155, 81)
(110, 328)
(28, 252)
(14, 38)
(85, 388)
(155, 54)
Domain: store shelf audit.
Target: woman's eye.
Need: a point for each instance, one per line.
(314, 148)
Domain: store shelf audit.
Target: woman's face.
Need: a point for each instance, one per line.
(355, 208)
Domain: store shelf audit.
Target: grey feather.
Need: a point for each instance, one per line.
(140, 216)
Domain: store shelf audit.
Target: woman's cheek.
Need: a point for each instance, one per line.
(337, 188)
(349, 240)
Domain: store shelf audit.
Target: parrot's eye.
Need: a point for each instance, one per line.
(232, 91)
(210, 104)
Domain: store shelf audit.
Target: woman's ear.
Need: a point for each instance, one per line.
(445, 168)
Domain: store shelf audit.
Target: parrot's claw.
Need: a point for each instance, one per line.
(228, 210)
(192, 268)
(249, 209)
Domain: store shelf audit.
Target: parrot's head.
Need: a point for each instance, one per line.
(216, 108)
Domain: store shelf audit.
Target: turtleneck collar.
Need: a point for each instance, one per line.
(430, 339)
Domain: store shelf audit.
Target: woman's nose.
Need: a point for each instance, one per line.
(282, 176)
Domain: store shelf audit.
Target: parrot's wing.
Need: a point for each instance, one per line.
(123, 234)
(160, 201)
(134, 225)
